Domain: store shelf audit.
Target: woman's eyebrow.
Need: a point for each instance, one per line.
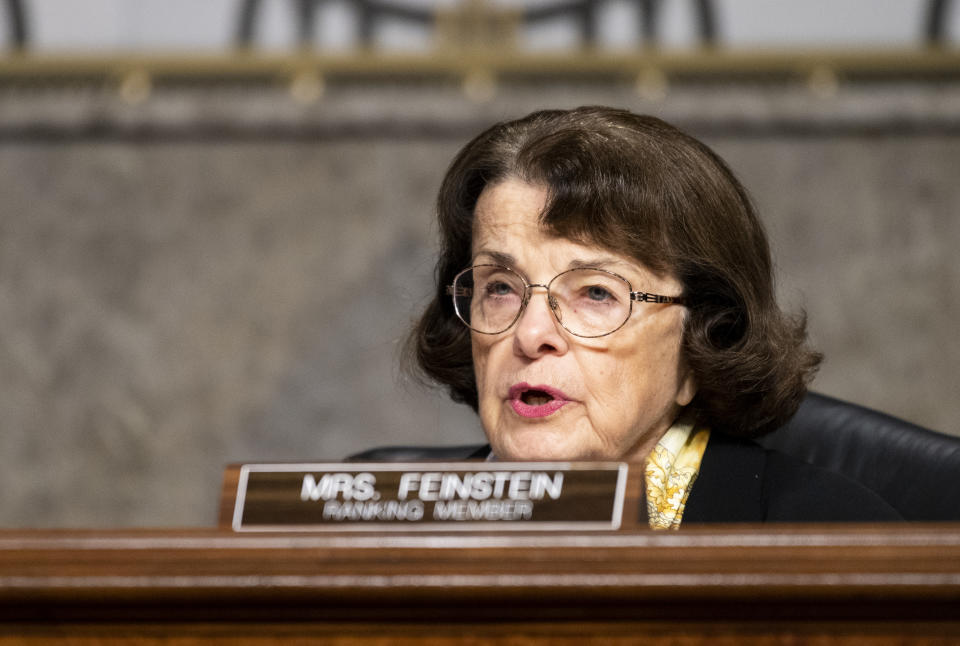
(498, 257)
(598, 263)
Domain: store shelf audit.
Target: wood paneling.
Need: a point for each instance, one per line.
(789, 584)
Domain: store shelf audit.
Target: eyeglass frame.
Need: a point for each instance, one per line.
(641, 297)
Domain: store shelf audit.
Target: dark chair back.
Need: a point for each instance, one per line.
(418, 453)
(916, 470)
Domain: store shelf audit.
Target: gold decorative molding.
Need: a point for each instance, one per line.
(464, 63)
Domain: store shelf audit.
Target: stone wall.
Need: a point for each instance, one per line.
(218, 275)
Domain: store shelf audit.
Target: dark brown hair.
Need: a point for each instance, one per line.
(638, 186)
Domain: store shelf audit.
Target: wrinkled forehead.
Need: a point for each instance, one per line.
(507, 231)
(507, 209)
(508, 223)
(509, 228)
(513, 212)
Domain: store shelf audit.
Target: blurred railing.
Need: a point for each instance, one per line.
(476, 47)
(16, 24)
(476, 43)
(472, 19)
(936, 21)
(477, 15)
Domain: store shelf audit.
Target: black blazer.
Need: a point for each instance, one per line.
(739, 481)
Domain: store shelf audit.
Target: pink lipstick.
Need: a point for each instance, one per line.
(536, 401)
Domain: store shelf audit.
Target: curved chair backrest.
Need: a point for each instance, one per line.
(418, 453)
(916, 470)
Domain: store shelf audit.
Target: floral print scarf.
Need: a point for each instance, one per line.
(671, 471)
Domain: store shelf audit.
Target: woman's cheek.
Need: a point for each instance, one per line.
(479, 365)
(481, 373)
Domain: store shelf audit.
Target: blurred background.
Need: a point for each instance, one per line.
(216, 217)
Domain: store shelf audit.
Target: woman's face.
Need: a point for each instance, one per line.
(611, 397)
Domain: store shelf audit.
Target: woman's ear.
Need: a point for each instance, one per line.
(687, 386)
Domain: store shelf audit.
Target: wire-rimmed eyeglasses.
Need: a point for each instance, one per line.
(587, 301)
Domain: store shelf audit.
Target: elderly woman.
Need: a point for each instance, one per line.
(604, 292)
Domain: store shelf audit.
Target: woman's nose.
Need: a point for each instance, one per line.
(538, 331)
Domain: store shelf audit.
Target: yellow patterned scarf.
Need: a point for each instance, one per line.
(671, 470)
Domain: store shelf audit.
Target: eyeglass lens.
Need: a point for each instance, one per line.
(587, 302)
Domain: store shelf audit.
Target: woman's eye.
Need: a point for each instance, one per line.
(598, 293)
(499, 289)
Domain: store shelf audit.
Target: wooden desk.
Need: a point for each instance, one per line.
(728, 585)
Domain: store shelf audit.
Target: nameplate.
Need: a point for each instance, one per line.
(430, 496)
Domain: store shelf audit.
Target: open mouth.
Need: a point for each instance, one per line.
(536, 401)
(536, 397)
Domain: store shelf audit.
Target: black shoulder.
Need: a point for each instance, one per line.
(740, 481)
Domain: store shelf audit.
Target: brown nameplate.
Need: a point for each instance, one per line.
(429, 496)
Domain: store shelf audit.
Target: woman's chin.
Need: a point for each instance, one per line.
(531, 445)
